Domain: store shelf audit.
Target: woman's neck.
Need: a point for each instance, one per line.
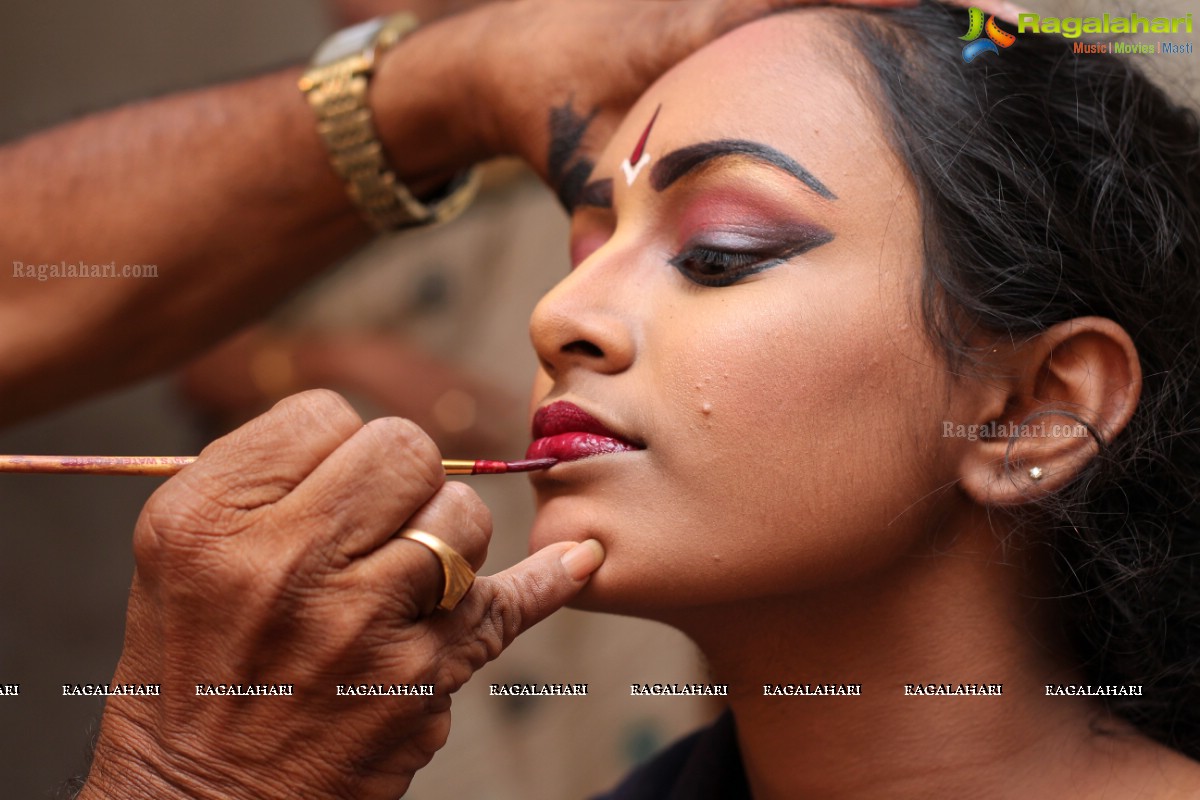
(960, 617)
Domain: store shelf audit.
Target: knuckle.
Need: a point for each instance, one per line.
(175, 523)
(460, 659)
(409, 453)
(193, 544)
(531, 597)
(498, 627)
(426, 655)
(147, 547)
(202, 512)
(477, 517)
(318, 405)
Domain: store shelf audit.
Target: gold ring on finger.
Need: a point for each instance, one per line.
(457, 572)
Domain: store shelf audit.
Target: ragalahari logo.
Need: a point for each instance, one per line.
(996, 38)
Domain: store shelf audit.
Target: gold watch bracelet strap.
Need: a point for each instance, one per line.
(337, 93)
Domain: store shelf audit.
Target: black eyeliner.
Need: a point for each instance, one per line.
(768, 259)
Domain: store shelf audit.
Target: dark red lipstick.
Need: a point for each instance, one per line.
(565, 431)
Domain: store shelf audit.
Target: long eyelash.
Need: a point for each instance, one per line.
(727, 267)
(730, 266)
(722, 258)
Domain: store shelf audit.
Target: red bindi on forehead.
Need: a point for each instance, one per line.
(638, 158)
(640, 148)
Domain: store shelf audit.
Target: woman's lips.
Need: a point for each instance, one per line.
(574, 446)
(565, 431)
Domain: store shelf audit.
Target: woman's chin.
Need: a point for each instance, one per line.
(542, 535)
(608, 590)
(606, 593)
(570, 519)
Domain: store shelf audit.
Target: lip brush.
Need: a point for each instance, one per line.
(169, 465)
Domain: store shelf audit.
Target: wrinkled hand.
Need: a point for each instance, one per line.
(273, 560)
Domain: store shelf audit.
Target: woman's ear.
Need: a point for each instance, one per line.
(1077, 381)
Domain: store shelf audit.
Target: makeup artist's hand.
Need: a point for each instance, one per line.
(273, 560)
(549, 80)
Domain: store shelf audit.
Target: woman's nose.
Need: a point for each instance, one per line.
(585, 322)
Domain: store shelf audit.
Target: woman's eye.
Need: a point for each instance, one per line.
(709, 267)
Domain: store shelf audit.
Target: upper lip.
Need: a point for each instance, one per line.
(563, 417)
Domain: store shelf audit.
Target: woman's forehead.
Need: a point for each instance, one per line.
(790, 82)
(773, 73)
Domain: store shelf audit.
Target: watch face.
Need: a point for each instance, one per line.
(348, 42)
(365, 39)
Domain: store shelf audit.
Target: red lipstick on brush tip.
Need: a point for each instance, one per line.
(484, 466)
(566, 432)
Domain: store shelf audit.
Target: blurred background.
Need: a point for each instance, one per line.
(431, 325)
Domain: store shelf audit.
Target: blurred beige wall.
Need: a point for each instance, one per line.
(64, 57)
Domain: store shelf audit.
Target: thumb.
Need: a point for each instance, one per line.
(526, 593)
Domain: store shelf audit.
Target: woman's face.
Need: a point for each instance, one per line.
(742, 312)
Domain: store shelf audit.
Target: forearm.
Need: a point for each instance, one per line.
(227, 192)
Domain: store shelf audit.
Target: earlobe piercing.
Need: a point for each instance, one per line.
(1036, 474)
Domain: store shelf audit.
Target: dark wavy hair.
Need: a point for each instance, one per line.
(1051, 186)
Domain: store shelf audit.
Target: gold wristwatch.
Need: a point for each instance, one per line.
(336, 87)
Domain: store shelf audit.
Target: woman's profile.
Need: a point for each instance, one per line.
(888, 365)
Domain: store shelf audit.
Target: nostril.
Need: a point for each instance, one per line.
(583, 348)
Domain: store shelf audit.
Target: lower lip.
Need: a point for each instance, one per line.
(574, 446)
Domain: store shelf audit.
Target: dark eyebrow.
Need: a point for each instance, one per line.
(597, 194)
(678, 163)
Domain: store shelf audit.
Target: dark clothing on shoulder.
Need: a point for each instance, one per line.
(703, 766)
